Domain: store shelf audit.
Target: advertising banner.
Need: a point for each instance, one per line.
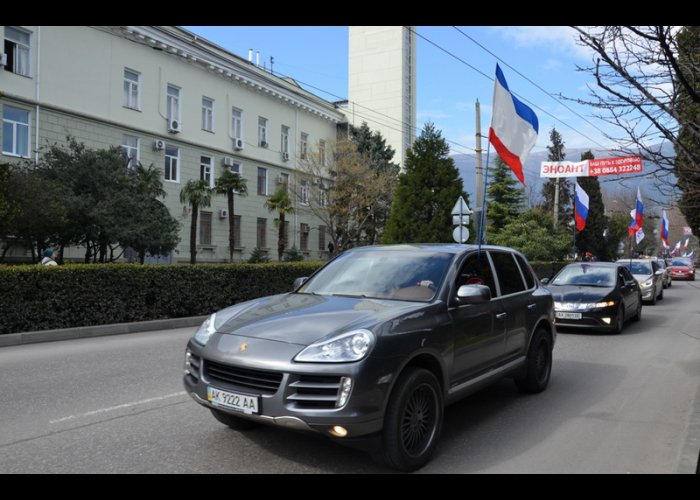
(592, 168)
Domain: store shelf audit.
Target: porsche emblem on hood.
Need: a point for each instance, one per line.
(243, 347)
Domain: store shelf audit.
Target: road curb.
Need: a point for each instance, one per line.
(82, 332)
(690, 456)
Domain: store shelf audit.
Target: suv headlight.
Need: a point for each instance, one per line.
(351, 346)
(204, 333)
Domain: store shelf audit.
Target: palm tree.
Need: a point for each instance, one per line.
(197, 194)
(231, 183)
(280, 202)
(149, 181)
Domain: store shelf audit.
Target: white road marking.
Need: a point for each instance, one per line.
(118, 407)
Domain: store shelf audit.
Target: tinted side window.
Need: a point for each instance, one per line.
(627, 275)
(508, 273)
(529, 279)
(476, 270)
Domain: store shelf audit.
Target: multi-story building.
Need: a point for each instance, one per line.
(182, 103)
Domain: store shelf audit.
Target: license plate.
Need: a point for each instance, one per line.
(566, 315)
(239, 402)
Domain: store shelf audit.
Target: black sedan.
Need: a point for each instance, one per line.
(595, 295)
(375, 344)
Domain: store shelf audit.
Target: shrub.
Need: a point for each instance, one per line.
(38, 298)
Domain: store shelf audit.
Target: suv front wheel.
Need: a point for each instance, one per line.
(412, 421)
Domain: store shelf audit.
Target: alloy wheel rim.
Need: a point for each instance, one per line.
(419, 420)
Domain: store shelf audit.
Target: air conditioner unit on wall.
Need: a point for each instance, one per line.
(3, 59)
(228, 161)
(223, 213)
(281, 179)
(175, 126)
(158, 145)
(263, 144)
(238, 144)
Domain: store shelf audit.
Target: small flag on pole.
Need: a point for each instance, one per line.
(637, 216)
(664, 229)
(514, 126)
(580, 207)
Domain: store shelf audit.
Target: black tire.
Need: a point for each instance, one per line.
(638, 315)
(653, 297)
(619, 320)
(234, 422)
(538, 367)
(661, 295)
(412, 421)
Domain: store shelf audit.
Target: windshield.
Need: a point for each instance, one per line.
(643, 268)
(680, 262)
(382, 274)
(585, 275)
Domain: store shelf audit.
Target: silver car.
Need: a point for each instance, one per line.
(649, 276)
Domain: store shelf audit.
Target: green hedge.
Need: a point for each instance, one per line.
(40, 298)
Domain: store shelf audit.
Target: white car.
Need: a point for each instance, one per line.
(650, 277)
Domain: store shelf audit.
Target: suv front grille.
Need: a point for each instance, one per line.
(315, 391)
(259, 381)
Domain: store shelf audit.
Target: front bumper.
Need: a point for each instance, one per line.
(300, 396)
(595, 319)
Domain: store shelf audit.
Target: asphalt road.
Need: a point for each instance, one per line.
(615, 404)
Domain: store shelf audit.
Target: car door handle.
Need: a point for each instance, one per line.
(501, 315)
(531, 307)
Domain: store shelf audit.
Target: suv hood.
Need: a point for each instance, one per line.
(303, 319)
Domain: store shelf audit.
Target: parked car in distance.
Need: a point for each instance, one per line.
(682, 269)
(374, 345)
(595, 295)
(667, 278)
(649, 276)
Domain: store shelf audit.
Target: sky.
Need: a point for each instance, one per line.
(447, 88)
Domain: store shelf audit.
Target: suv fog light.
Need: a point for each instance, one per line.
(606, 320)
(338, 431)
(344, 392)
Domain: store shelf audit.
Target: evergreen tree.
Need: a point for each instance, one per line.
(505, 196)
(426, 192)
(533, 234)
(556, 153)
(591, 238)
(372, 146)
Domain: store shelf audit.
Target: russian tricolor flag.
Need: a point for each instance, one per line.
(514, 126)
(580, 207)
(637, 215)
(664, 229)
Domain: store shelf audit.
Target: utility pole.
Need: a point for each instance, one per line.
(556, 202)
(479, 172)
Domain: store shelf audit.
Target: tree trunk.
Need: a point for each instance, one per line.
(231, 239)
(280, 238)
(193, 235)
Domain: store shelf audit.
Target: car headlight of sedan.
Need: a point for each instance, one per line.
(204, 332)
(351, 346)
(648, 283)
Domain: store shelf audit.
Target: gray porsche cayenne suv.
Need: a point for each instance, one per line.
(373, 346)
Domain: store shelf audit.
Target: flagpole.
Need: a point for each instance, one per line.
(574, 215)
(482, 223)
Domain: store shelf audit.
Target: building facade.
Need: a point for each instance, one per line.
(382, 83)
(174, 100)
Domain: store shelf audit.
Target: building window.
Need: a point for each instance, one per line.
(304, 237)
(237, 123)
(173, 103)
(304, 192)
(322, 153)
(322, 238)
(130, 148)
(262, 132)
(262, 181)
(322, 196)
(15, 131)
(283, 179)
(207, 114)
(17, 44)
(285, 140)
(205, 170)
(236, 231)
(172, 163)
(304, 147)
(262, 233)
(205, 228)
(132, 89)
(236, 168)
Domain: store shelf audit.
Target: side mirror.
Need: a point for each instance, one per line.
(659, 272)
(473, 294)
(544, 281)
(298, 282)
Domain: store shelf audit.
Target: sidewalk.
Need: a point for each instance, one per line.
(10, 339)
